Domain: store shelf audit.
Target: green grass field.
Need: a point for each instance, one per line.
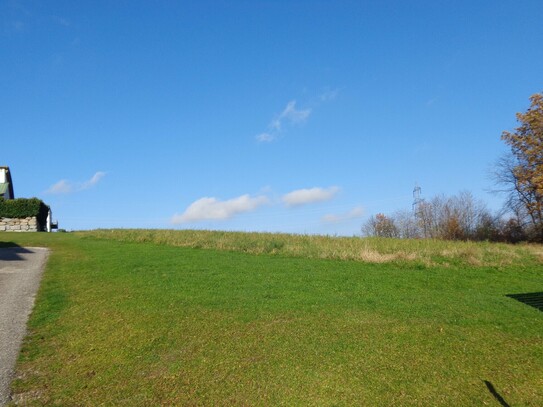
(212, 318)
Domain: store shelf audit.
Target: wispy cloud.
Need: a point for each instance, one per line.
(214, 209)
(329, 95)
(93, 181)
(66, 187)
(61, 21)
(61, 187)
(290, 115)
(23, 17)
(354, 213)
(265, 137)
(310, 195)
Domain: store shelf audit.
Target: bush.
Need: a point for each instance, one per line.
(24, 208)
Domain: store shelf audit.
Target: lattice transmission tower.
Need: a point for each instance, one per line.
(417, 200)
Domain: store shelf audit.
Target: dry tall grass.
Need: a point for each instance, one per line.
(424, 252)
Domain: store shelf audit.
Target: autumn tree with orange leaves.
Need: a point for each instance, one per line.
(522, 171)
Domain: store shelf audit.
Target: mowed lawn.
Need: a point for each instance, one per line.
(124, 323)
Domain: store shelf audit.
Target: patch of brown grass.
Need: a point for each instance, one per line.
(536, 250)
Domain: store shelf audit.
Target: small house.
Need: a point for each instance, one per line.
(6, 185)
(32, 216)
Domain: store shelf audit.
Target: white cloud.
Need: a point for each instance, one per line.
(65, 187)
(293, 115)
(214, 209)
(265, 137)
(275, 125)
(354, 213)
(61, 21)
(289, 115)
(61, 187)
(93, 181)
(311, 195)
(329, 95)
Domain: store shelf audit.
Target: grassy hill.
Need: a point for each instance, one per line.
(143, 317)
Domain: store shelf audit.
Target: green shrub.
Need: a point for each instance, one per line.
(24, 208)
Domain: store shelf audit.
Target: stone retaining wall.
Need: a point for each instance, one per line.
(19, 225)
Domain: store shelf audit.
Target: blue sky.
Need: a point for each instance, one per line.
(292, 116)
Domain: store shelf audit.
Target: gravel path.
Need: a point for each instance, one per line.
(20, 272)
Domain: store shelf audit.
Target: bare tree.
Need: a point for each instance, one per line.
(407, 225)
(460, 217)
(380, 226)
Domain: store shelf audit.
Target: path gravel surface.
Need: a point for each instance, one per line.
(20, 273)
